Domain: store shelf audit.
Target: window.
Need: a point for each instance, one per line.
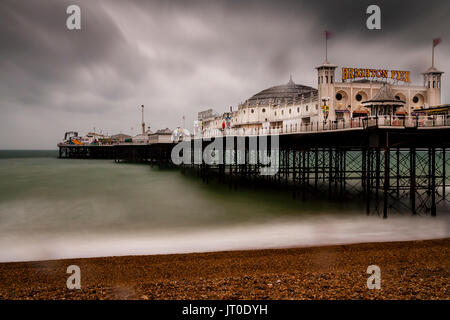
(282, 112)
(397, 97)
(253, 110)
(358, 97)
(338, 96)
(290, 111)
(298, 109)
(317, 107)
(244, 111)
(331, 79)
(307, 108)
(275, 113)
(263, 110)
(415, 99)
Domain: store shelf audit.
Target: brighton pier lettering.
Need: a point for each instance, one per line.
(353, 73)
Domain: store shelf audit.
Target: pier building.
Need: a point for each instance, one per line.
(290, 107)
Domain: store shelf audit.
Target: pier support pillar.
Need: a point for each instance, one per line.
(387, 155)
(433, 182)
(412, 174)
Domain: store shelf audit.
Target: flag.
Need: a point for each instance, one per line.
(436, 41)
(328, 34)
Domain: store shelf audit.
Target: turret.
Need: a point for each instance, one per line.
(432, 81)
(325, 79)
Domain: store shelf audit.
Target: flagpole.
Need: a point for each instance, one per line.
(432, 54)
(326, 47)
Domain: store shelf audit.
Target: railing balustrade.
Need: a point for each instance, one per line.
(421, 121)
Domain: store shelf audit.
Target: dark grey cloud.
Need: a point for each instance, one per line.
(178, 57)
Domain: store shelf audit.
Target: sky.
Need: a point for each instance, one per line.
(181, 57)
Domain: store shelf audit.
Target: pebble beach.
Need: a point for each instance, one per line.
(409, 270)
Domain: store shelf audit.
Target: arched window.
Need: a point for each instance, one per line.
(307, 108)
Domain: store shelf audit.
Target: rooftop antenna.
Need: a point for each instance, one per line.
(143, 123)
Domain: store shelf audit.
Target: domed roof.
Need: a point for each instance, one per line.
(281, 94)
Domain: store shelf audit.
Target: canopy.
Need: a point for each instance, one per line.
(384, 96)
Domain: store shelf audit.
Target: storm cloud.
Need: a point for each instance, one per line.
(180, 57)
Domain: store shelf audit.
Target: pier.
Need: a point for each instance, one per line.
(153, 153)
(389, 165)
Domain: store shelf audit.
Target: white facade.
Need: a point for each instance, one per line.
(331, 101)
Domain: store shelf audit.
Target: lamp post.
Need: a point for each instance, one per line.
(325, 107)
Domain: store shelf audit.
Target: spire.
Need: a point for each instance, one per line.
(291, 82)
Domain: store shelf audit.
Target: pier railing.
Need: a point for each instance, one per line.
(340, 124)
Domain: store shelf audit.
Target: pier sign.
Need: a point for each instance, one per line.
(353, 73)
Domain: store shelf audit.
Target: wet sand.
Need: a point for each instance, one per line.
(409, 270)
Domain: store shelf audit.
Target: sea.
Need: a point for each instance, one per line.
(54, 208)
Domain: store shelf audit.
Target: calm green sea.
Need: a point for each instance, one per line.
(57, 208)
